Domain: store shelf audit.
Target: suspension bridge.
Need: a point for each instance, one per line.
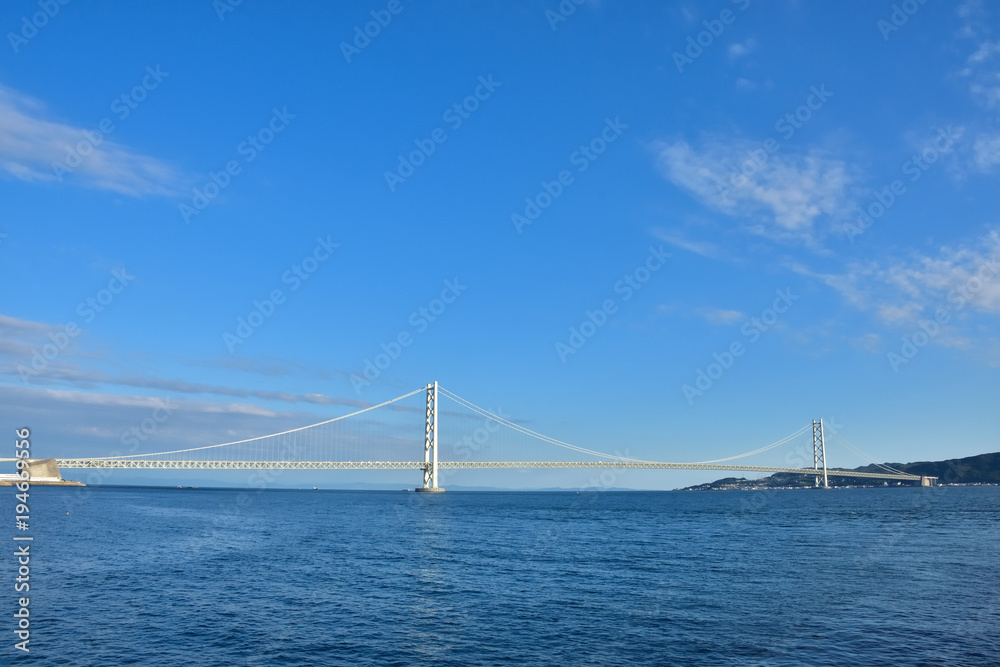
(385, 437)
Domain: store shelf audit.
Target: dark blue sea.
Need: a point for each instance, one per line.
(141, 576)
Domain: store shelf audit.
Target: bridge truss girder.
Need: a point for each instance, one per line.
(149, 464)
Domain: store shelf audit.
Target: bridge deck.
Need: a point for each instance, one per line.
(456, 465)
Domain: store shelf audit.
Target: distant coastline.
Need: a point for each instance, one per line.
(983, 469)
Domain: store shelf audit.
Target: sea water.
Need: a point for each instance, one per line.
(146, 576)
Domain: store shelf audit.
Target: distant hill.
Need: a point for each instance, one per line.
(981, 469)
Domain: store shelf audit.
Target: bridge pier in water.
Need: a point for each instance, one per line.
(431, 442)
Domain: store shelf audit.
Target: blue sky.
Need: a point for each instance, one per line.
(808, 187)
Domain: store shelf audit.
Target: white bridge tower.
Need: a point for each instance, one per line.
(431, 441)
(819, 452)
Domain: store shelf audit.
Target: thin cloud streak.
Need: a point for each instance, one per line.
(30, 147)
(719, 316)
(702, 248)
(21, 340)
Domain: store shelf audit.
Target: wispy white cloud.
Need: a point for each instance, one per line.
(13, 324)
(982, 66)
(893, 313)
(269, 366)
(981, 71)
(970, 273)
(986, 151)
(741, 49)
(702, 248)
(22, 339)
(32, 147)
(869, 342)
(969, 8)
(781, 195)
(903, 288)
(148, 402)
(86, 423)
(984, 74)
(984, 53)
(958, 287)
(25, 357)
(719, 316)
